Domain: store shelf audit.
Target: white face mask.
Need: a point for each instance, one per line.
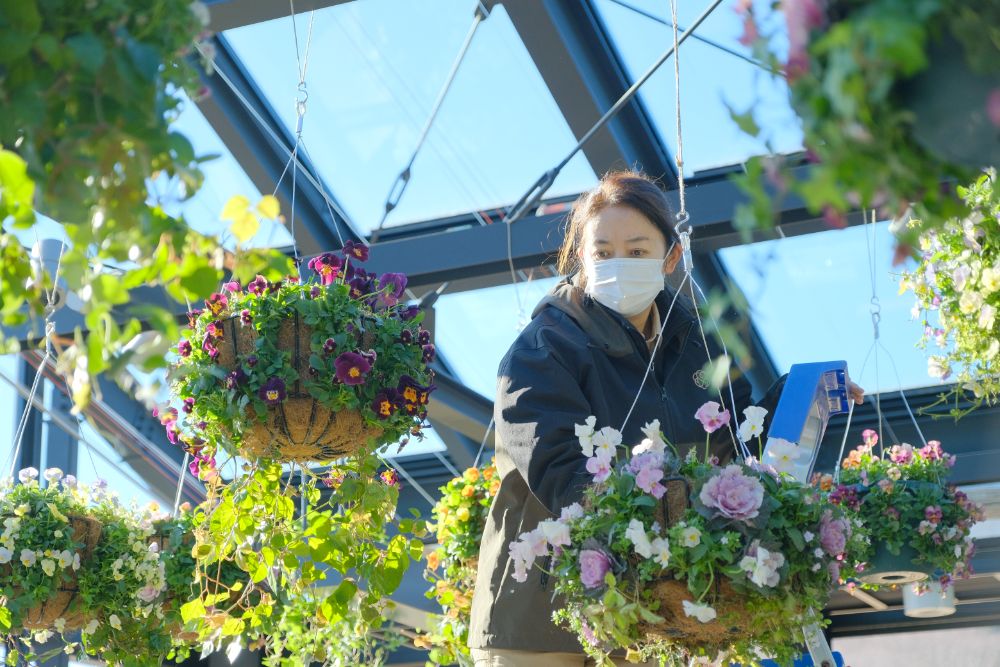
(625, 285)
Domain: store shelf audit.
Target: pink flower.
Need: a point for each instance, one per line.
(932, 451)
(993, 107)
(648, 479)
(933, 513)
(901, 454)
(593, 566)
(871, 439)
(710, 416)
(801, 16)
(833, 533)
(599, 467)
(733, 494)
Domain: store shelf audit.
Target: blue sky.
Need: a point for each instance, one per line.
(374, 70)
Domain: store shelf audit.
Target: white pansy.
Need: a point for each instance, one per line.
(115, 622)
(781, 454)
(990, 279)
(28, 557)
(556, 533)
(42, 636)
(606, 441)
(26, 475)
(960, 276)
(661, 551)
(91, 627)
(700, 611)
(970, 302)
(65, 559)
(653, 442)
(585, 432)
(5, 555)
(53, 475)
(691, 537)
(48, 567)
(76, 562)
(987, 317)
(572, 512)
(636, 533)
(59, 624)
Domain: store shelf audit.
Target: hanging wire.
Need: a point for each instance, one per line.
(703, 40)
(50, 329)
(682, 214)
(545, 181)
(447, 464)
(482, 445)
(403, 179)
(280, 143)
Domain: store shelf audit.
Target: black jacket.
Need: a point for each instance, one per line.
(575, 358)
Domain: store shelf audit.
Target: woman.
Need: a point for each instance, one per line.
(584, 353)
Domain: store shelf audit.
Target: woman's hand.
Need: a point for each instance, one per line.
(856, 393)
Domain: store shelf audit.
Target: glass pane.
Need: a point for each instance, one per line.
(810, 295)
(224, 178)
(474, 329)
(373, 76)
(99, 460)
(710, 79)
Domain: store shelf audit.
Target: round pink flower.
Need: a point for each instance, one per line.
(833, 533)
(733, 494)
(593, 566)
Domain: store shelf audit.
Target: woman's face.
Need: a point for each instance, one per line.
(619, 232)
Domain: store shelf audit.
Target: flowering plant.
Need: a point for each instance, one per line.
(117, 583)
(41, 548)
(850, 67)
(736, 546)
(958, 279)
(901, 496)
(367, 352)
(460, 518)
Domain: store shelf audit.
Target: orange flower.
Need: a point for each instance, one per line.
(494, 487)
(853, 460)
(433, 560)
(489, 472)
(471, 475)
(468, 492)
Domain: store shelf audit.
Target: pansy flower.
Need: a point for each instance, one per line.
(210, 349)
(355, 251)
(389, 477)
(232, 286)
(424, 337)
(245, 317)
(391, 287)
(386, 403)
(214, 330)
(188, 406)
(327, 266)
(193, 316)
(258, 285)
(352, 368)
(428, 353)
(329, 346)
(235, 378)
(252, 360)
(409, 312)
(272, 392)
(406, 337)
(184, 348)
(216, 303)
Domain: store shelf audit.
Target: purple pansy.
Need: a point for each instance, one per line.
(272, 392)
(386, 403)
(327, 266)
(210, 348)
(355, 251)
(216, 303)
(406, 337)
(258, 285)
(235, 378)
(352, 368)
(408, 313)
(329, 346)
(424, 337)
(391, 287)
(188, 405)
(184, 348)
(245, 317)
(428, 353)
(252, 360)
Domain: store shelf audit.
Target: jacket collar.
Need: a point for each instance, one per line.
(606, 328)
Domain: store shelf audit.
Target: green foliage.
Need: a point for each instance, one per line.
(844, 77)
(957, 283)
(88, 91)
(902, 496)
(459, 520)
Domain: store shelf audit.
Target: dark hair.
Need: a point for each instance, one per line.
(631, 189)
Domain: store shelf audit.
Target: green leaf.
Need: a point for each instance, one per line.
(4, 618)
(88, 49)
(191, 610)
(17, 190)
(345, 592)
(796, 535)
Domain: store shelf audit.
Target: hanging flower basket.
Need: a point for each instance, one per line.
(893, 102)
(675, 559)
(957, 290)
(64, 603)
(48, 535)
(302, 371)
(460, 519)
(919, 525)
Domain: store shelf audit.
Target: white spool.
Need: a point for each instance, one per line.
(934, 602)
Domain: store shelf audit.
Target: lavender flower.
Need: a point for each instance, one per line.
(732, 494)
